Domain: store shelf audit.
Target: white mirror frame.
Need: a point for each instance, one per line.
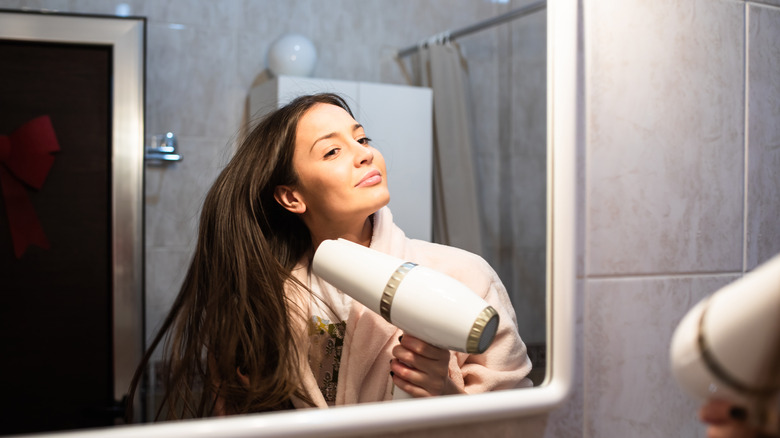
(562, 71)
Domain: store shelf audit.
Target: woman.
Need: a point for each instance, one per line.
(253, 329)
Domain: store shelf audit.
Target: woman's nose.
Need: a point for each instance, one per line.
(363, 154)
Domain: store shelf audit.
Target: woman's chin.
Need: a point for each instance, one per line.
(382, 202)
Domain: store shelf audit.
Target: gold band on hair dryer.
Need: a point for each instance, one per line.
(420, 301)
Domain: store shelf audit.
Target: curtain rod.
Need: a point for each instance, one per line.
(500, 19)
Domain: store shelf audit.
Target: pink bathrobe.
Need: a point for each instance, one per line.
(364, 374)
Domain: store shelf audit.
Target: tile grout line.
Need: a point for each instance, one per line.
(746, 134)
(678, 276)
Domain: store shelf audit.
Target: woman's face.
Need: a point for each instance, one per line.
(341, 177)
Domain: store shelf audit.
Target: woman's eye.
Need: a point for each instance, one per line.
(331, 152)
(364, 141)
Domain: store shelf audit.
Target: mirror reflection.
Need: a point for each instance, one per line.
(499, 212)
(492, 189)
(263, 323)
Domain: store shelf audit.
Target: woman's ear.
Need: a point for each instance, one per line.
(288, 198)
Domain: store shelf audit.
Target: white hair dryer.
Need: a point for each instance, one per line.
(420, 301)
(728, 346)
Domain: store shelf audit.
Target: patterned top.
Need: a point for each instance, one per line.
(327, 328)
(327, 340)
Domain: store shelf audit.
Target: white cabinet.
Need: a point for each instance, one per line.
(399, 121)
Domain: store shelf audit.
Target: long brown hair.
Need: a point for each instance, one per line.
(229, 337)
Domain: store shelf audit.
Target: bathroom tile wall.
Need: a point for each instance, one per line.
(763, 130)
(682, 189)
(665, 159)
(629, 390)
(519, 242)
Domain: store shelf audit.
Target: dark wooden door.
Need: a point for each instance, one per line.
(56, 366)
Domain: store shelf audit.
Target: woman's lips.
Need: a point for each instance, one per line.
(370, 179)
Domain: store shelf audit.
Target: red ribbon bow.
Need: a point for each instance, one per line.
(25, 158)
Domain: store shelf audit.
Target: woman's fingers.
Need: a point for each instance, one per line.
(415, 382)
(731, 430)
(725, 420)
(404, 381)
(423, 350)
(419, 368)
(715, 412)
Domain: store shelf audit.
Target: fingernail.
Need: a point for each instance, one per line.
(738, 413)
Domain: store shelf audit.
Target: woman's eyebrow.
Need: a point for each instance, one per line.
(355, 127)
(326, 136)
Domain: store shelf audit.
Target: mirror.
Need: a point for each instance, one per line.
(561, 129)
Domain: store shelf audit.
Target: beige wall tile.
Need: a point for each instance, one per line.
(175, 192)
(190, 82)
(665, 131)
(55, 5)
(165, 270)
(764, 2)
(629, 388)
(763, 84)
(214, 14)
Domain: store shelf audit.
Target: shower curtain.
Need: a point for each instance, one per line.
(455, 212)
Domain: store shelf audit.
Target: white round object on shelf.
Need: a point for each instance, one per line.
(292, 54)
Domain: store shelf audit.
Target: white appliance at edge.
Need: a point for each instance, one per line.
(399, 121)
(728, 345)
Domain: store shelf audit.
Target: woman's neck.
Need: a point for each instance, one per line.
(359, 232)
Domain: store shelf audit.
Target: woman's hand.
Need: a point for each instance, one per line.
(420, 369)
(726, 420)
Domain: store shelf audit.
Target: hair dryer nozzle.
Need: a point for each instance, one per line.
(483, 331)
